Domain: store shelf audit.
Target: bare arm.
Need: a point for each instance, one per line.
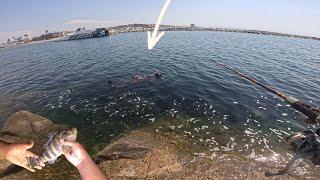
(3, 150)
(89, 170)
(83, 162)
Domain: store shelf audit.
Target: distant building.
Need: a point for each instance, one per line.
(48, 36)
(82, 33)
(192, 25)
(19, 39)
(26, 37)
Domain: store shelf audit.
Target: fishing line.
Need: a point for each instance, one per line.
(311, 111)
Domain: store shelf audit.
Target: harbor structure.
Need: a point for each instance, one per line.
(82, 33)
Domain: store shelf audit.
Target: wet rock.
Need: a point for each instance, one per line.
(140, 154)
(169, 156)
(143, 155)
(122, 151)
(129, 147)
(163, 162)
(4, 165)
(24, 122)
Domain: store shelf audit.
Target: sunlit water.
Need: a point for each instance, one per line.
(68, 83)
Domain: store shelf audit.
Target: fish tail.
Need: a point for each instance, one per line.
(33, 161)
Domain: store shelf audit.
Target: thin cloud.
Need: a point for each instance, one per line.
(77, 22)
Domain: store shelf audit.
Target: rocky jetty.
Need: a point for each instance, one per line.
(143, 154)
(149, 27)
(139, 154)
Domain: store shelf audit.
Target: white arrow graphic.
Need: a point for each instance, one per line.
(154, 37)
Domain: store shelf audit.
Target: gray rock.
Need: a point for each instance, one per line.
(139, 155)
(24, 122)
(122, 151)
(4, 165)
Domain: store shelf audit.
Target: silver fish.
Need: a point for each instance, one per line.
(54, 148)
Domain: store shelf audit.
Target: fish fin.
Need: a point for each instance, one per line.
(52, 161)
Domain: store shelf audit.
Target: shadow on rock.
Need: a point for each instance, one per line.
(137, 155)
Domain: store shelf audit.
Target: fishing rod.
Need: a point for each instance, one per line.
(311, 111)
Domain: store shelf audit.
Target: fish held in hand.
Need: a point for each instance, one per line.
(54, 148)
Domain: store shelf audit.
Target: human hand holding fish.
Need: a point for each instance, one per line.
(77, 154)
(53, 148)
(64, 142)
(79, 157)
(18, 153)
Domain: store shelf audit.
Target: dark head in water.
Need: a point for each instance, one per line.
(110, 82)
(154, 76)
(157, 75)
(53, 148)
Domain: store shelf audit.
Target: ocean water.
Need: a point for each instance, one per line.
(68, 82)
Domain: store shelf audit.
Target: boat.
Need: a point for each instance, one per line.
(82, 33)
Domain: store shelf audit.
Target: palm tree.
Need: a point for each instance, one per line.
(46, 34)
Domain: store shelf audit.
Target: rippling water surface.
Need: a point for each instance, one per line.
(68, 83)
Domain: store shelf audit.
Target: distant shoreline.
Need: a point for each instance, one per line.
(28, 43)
(149, 27)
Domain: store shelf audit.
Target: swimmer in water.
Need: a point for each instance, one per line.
(110, 82)
(137, 78)
(157, 75)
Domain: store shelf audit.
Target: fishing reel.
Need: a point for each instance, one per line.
(311, 111)
(306, 143)
(313, 121)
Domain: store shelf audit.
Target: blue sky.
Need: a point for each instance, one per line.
(34, 16)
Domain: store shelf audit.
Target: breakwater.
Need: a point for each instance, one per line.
(150, 27)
